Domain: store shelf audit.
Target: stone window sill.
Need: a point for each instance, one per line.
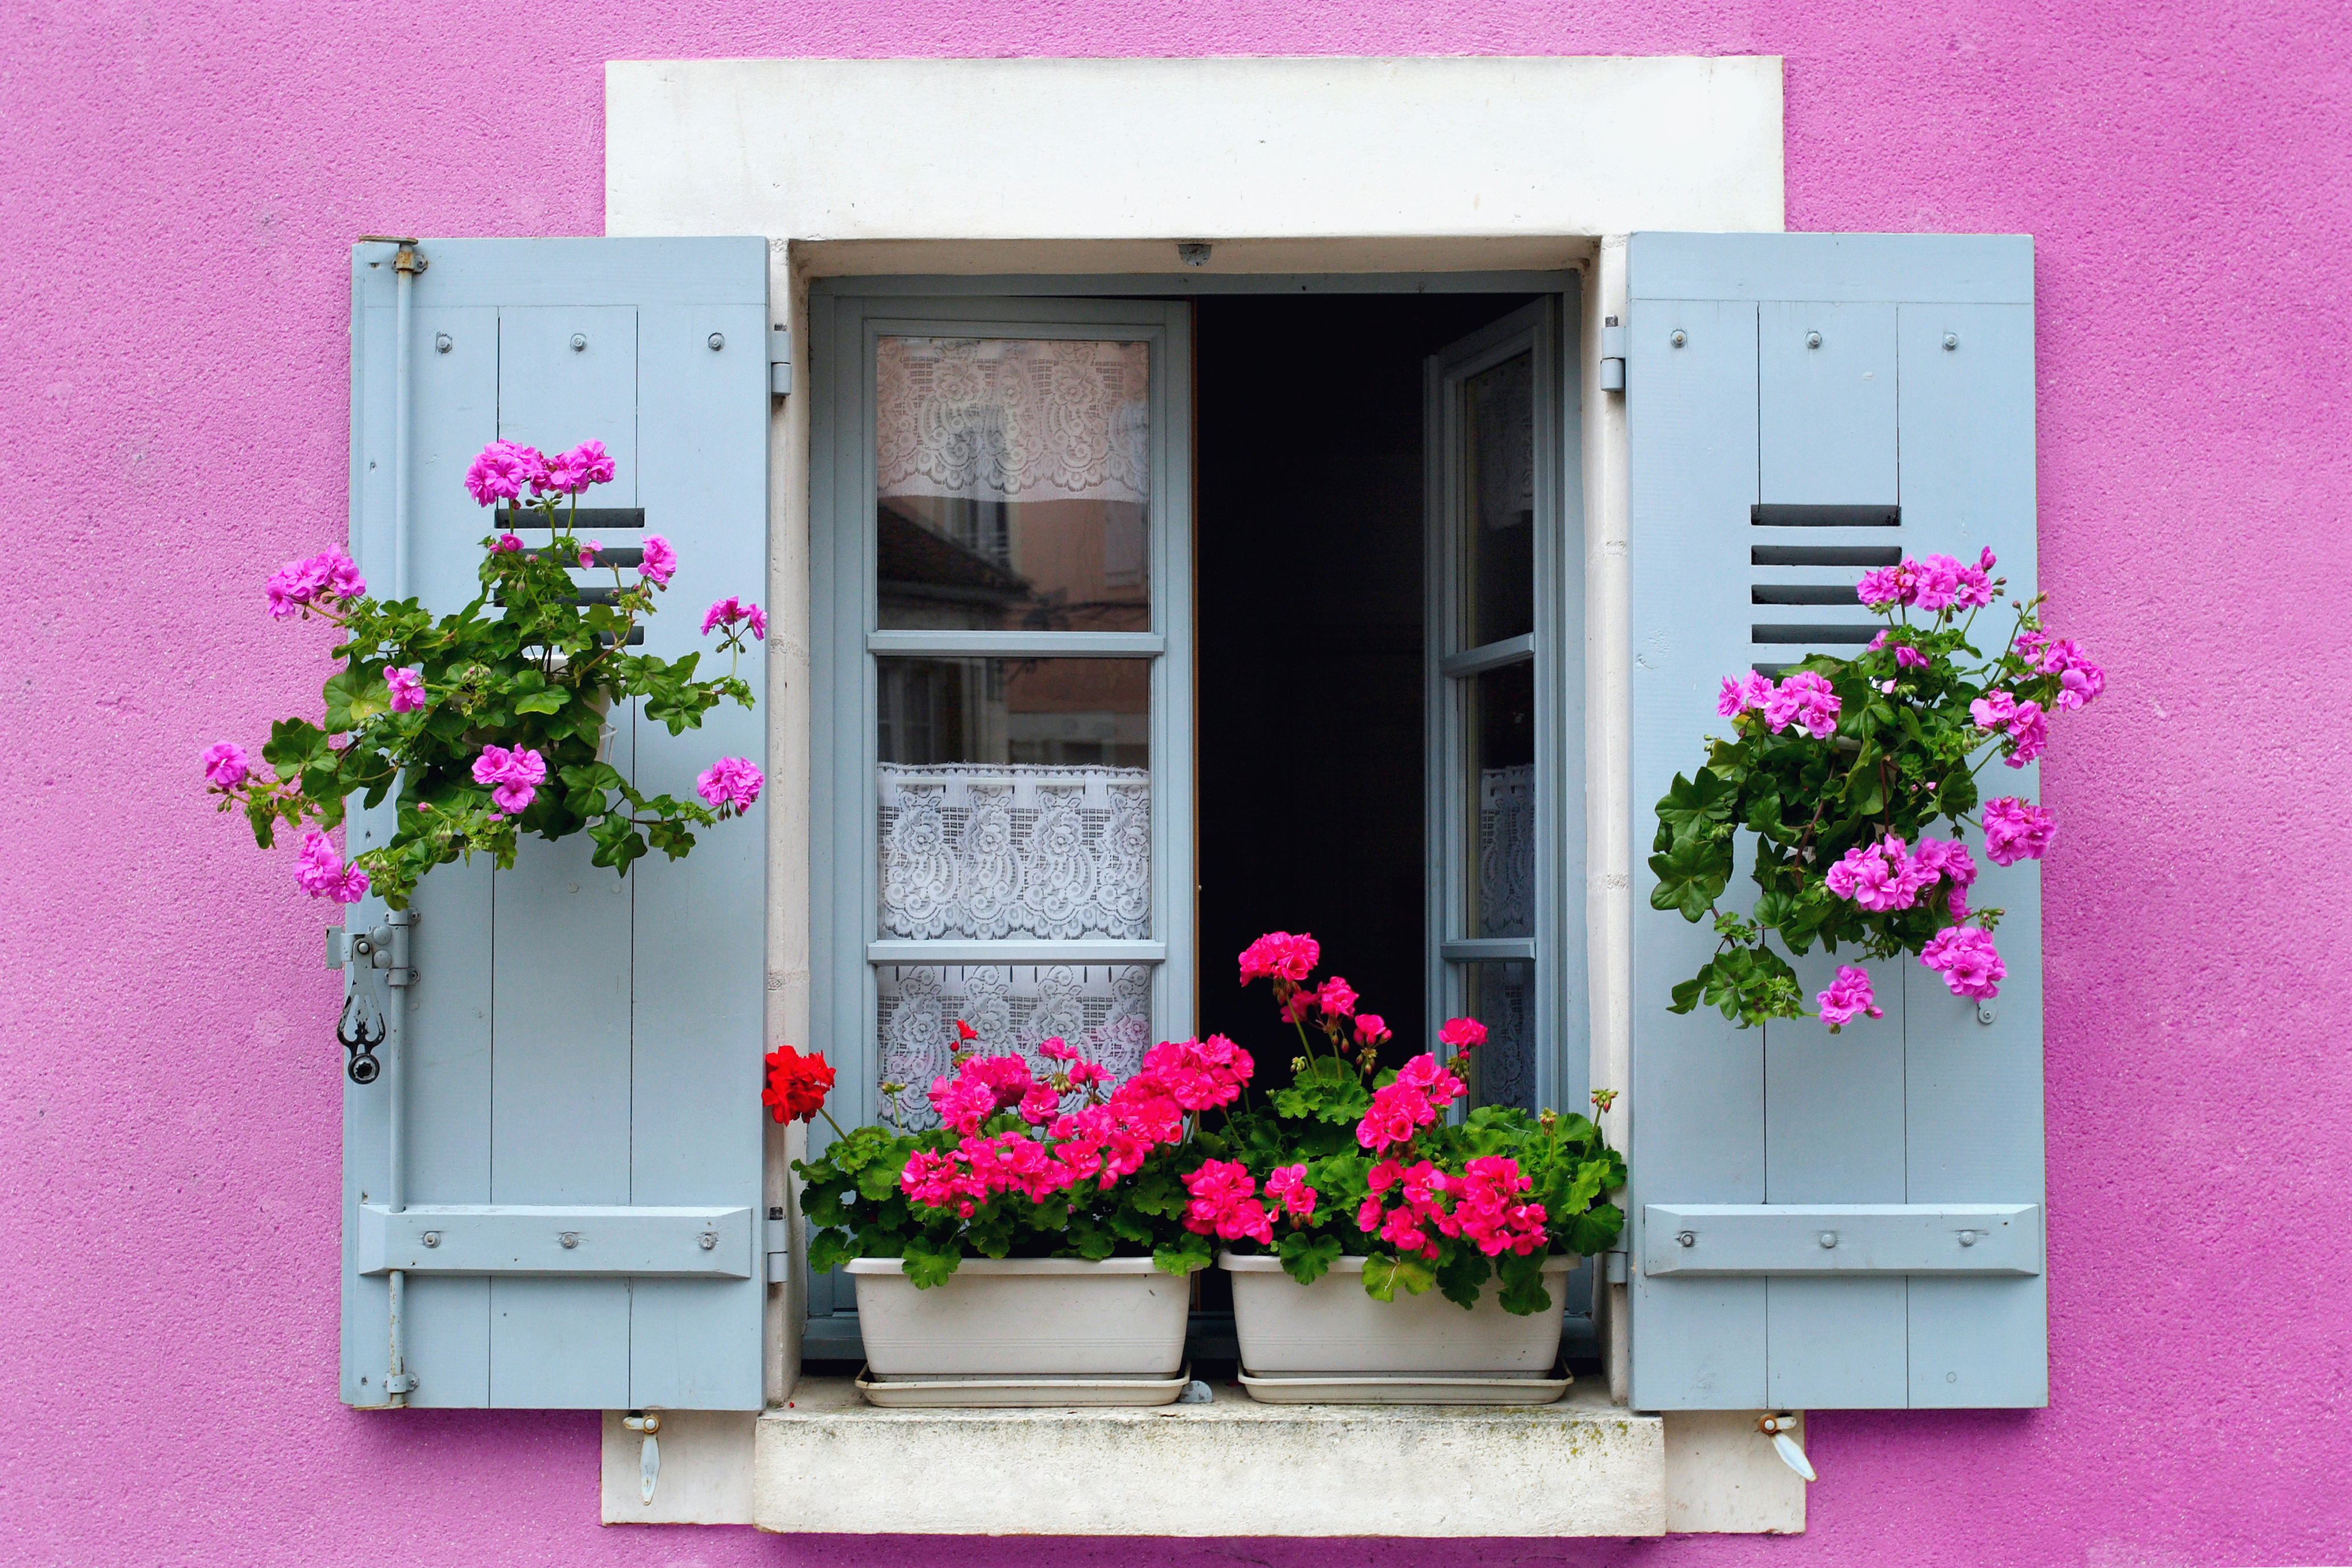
(830, 1463)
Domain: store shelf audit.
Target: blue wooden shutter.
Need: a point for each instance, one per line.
(582, 1051)
(1892, 372)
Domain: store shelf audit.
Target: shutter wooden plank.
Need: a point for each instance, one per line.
(701, 966)
(1974, 1091)
(1834, 1134)
(561, 1072)
(1832, 1103)
(1826, 415)
(454, 412)
(1698, 1087)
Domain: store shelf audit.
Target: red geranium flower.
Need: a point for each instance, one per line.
(797, 1084)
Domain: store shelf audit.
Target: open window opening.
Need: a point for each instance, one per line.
(1146, 626)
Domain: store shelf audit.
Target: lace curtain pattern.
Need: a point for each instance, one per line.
(1506, 1062)
(1002, 419)
(978, 851)
(1504, 427)
(1507, 851)
(1103, 1010)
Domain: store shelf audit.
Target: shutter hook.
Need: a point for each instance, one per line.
(1778, 1427)
(647, 1421)
(359, 1042)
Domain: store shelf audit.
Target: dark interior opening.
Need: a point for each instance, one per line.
(1309, 602)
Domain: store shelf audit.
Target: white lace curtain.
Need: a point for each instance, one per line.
(1507, 851)
(1505, 431)
(1103, 1010)
(980, 852)
(1013, 419)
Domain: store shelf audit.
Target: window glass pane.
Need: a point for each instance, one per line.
(1501, 794)
(1502, 997)
(1013, 477)
(1103, 1010)
(1016, 798)
(1498, 502)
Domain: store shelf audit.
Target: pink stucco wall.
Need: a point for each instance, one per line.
(178, 183)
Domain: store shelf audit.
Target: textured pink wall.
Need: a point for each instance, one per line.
(178, 183)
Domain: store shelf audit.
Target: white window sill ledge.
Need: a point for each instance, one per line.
(831, 1463)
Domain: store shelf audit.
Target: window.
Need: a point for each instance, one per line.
(1505, 721)
(1003, 700)
(1010, 785)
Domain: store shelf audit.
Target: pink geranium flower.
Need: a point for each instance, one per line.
(407, 688)
(732, 784)
(2017, 830)
(514, 774)
(1848, 998)
(225, 765)
(1967, 960)
(659, 562)
(1462, 1033)
(1281, 956)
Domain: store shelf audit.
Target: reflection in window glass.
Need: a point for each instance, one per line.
(1502, 793)
(1502, 997)
(1498, 506)
(1013, 484)
(1016, 798)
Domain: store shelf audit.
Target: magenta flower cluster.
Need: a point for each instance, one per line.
(2079, 680)
(320, 872)
(326, 577)
(1849, 997)
(2027, 726)
(1887, 876)
(730, 783)
(515, 773)
(1965, 957)
(1939, 583)
(506, 469)
(1105, 1141)
(1804, 699)
(2017, 830)
(732, 612)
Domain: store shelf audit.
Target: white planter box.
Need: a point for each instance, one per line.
(1051, 1317)
(1332, 1327)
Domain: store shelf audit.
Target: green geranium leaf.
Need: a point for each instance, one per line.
(1385, 1275)
(1307, 1257)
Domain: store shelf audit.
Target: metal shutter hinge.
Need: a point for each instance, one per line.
(779, 1247)
(1612, 355)
(1613, 1264)
(400, 1382)
(780, 360)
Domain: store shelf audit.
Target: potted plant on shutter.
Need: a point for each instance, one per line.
(1031, 1250)
(1366, 1228)
(1840, 769)
(489, 722)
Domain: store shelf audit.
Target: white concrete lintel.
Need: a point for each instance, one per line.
(1209, 149)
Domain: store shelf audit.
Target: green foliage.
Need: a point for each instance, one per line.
(1569, 1166)
(521, 666)
(1905, 755)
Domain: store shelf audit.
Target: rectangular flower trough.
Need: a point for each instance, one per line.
(1024, 1317)
(1331, 1329)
